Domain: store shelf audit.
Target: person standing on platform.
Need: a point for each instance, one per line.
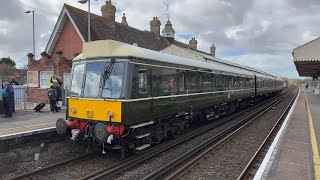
(52, 95)
(7, 94)
(57, 82)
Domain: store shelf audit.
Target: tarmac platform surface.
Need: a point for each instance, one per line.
(294, 153)
(28, 121)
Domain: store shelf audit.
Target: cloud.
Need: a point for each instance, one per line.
(258, 33)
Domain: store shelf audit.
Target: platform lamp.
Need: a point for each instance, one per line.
(83, 2)
(29, 11)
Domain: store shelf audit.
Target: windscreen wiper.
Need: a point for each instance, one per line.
(107, 72)
(108, 69)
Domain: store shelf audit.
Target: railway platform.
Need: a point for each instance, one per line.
(28, 122)
(294, 154)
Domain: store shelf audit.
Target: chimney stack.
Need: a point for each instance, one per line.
(213, 50)
(155, 26)
(109, 12)
(30, 58)
(193, 43)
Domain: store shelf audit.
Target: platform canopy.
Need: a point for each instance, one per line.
(307, 58)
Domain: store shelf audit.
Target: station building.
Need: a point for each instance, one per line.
(307, 61)
(71, 30)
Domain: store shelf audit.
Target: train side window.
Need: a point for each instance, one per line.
(242, 83)
(236, 83)
(169, 81)
(207, 84)
(219, 83)
(224, 82)
(251, 83)
(143, 81)
(200, 85)
(213, 80)
(191, 81)
(181, 81)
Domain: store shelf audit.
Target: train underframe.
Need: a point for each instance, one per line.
(137, 138)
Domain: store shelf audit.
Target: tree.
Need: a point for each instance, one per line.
(7, 61)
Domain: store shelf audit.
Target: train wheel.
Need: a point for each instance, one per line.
(175, 132)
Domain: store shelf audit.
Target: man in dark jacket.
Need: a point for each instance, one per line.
(52, 95)
(7, 94)
(57, 83)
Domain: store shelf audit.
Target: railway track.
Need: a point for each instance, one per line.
(116, 167)
(254, 163)
(50, 171)
(193, 156)
(136, 160)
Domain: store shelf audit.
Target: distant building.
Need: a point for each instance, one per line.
(71, 31)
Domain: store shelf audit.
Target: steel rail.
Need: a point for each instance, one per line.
(264, 144)
(135, 160)
(219, 138)
(52, 167)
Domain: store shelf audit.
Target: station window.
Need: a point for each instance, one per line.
(45, 79)
(143, 80)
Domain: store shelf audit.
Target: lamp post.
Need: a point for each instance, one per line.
(34, 53)
(83, 2)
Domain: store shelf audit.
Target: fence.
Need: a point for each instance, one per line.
(20, 98)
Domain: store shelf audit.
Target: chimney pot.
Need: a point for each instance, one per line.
(43, 54)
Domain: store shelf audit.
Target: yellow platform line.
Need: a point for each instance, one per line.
(22, 127)
(316, 158)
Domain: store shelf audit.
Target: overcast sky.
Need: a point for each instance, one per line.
(256, 33)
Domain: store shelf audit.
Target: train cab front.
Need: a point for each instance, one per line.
(93, 106)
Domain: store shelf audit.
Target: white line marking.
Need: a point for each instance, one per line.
(26, 132)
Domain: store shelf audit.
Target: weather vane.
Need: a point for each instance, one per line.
(167, 9)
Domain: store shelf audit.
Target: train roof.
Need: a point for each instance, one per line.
(225, 62)
(111, 48)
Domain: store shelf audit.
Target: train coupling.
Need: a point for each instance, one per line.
(75, 134)
(110, 138)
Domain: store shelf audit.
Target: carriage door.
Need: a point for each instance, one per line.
(145, 85)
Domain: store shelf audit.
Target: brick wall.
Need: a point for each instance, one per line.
(36, 94)
(69, 42)
(68, 45)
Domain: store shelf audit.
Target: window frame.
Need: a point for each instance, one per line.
(41, 86)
